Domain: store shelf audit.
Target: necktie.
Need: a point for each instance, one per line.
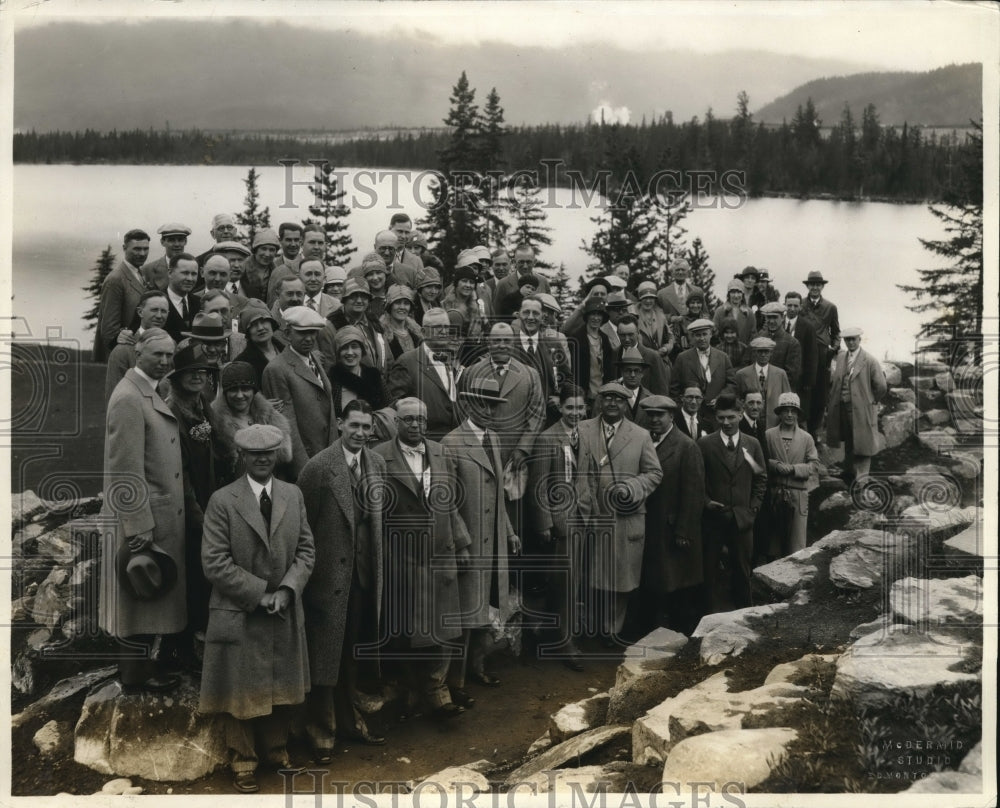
(531, 347)
(315, 369)
(265, 508)
(574, 439)
(731, 444)
(355, 468)
(788, 326)
(184, 308)
(703, 358)
(763, 381)
(234, 288)
(693, 425)
(609, 434)
(311, 304)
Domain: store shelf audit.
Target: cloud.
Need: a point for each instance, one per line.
(610, 114)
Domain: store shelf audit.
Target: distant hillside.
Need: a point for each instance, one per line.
(948, 96)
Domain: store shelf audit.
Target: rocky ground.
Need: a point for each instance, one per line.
(859, 669)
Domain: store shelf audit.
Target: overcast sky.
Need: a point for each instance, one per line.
(910, 35)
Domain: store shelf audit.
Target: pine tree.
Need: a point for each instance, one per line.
(105, 263)
(670, 211)
(252, 217)
(331, 214)
(626, 234)
(561, 291)
(701, 273)
(529, 219)
(953, 295)
(490, 162)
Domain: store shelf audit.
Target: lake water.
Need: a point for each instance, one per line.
(65, 215)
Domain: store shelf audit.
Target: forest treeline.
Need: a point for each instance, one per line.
(851, 159)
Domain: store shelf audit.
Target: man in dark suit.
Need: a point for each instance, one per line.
(763, 377)
(705, 367)
(804, 332)
(120, 294)
(215, 274)
(429, 372)
(672, 297)
(786, 353)
(656, 376)
(631, 366)
(735, 482)
(174, 238)
(688, 417)
(181, 278)
(753, 423)
(296, 377)
(540, 352)
(672, 557)
(426, 547)
(824, 316)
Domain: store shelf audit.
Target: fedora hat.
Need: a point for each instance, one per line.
(815, 277)
(483, 390)
(146, 575)
(207, 327)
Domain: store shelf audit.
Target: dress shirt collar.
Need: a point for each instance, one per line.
(761, 369)
(256, 487)
(727, 439)
(478, 431)
(149, 379)
(175, 298)
(349, 456)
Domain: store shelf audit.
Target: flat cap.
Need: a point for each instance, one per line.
(762, 342)
(774, 307)
(616, 283)
(613, 389)
(173, 229)
(699, 324)
(548, 301)
(851, 331)
(347, 335)
(658, 404)
(355, 286)
(230, 246)
(264, 237)
(335, 275)
(617, 299)
(259, 438)
(303, 318)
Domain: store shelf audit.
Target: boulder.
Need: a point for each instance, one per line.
(857, 567)
(579, 717)
(53, 739)
(609, 779)
(972, 763)
(789, 574)
(746, 756)
(928, 483)
(937, 522)
(882, 623)
(937, 417)
(22, 674)
(947, 783)
(52, 598)
(862, 520)
(966, 544)
(38, 638)
(902, 502)
(61, 693)
(967, 403)
(24, 507)
(938, 601)
(838, 499)
(931, 399)
(893, 375)
(882, 666)
(837, 540)
(900, 394)
(58, 545)
(922, 382)
(938, 440)
(965, 465)
(729, 634)
(706, 707)
(944, 381)
(116, 787)
(807, 666)
(540, 744)
(452, 780)
(969, 425)
(24, 539)
(568, 750)
(642, 680)
(926, 365)
(156, 736)
(897, 427)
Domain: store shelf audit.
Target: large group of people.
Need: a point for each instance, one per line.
(328, 477)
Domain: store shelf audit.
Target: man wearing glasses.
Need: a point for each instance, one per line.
(524, 264)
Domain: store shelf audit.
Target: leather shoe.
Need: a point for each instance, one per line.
(362, 735)
(461, 698)
(159, 683)
(323, 756)
(447, 711)
(246, 783)
(484, 679)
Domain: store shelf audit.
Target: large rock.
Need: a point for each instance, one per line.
(608, 779)
(944, 381)
(931, 399)
(578, 717)
(452, 780)
(566, 751)
(746, 756)
(937, 522)
(836, 500)
(938, 440)
(52, 598)
(967, 544)
(857, 567)
(61, 693)
(938, 601)
(787, 575)
(898, 426)
(882, 666)
(642, 680)
(922, 382)
(729, 634)
(837, 540)
(893, 375)
(947, 783)
(937, 417)
(706, 707)
(972, 763)
(807, 666)
(24, 507)
(59, 545)
(154, 736)
(53, 739)
(931, 367)
(966, 465)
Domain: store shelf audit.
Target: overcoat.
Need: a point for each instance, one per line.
(616, 553)
(801, 454)
(746, 323)
(674, 510)
(254, 660)
(423, 533)
(480, 503)
(308, 403)
(688, 372)
(120, 294)
(868, 388)
(519, 420)
(786, 354)
(333, 514)
(776, 383)
(412, 374)
(740, 486)
(551, 496)
(674, 304)
(143, 490)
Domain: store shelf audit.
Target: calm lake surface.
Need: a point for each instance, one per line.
(64, 215)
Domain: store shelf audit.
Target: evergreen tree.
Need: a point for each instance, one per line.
(105, 263)
(701, 273)
(438, 227)
(490, 162)
(463, 150)
(529, 219)
(561, 291)
(252, 217)
(953, 295)
(332, 214)
(626, 234)
(670, 211)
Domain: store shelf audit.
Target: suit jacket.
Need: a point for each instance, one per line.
(777, 383)
(613, 484)
(805, 335)
(786, 354)
(551, 501)
(254, 660)
(674, 511)
(346, 523)
(423, 533)
(480, 503)
(308, 403)
(414, 375)
(868, 387)
(519, 420)
(508, 285)
(757, 431)
(634, 412)
(738, 483)
(671, 303)
(827, 322)
(176, 323)
(143, 491)
(120, 295)
(552, 361)
(579, 349)
(689, 373)
(155, 273)
(657, 376)
(680, 422)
